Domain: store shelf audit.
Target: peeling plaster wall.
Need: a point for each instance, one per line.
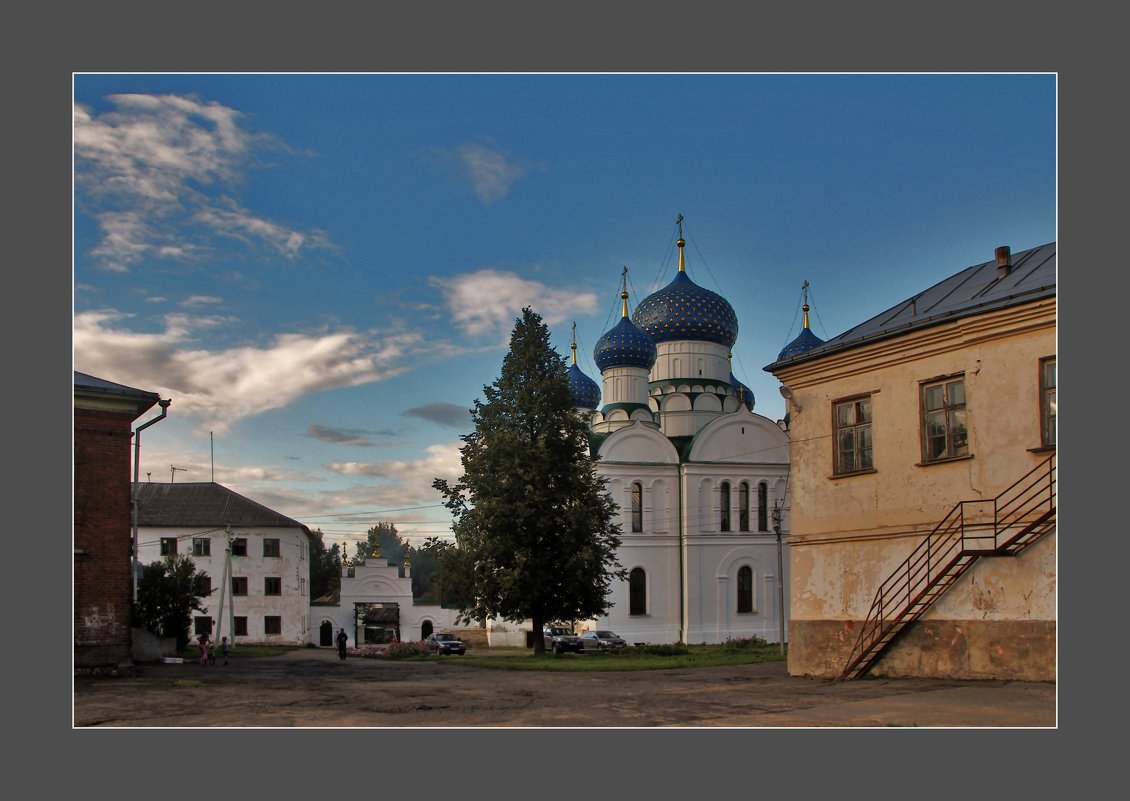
(292, 566)
(850, 532)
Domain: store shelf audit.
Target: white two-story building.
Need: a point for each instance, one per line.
(257, 561)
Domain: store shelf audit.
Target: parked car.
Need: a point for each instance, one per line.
(443, 643)
(560, 639)
(602, 640)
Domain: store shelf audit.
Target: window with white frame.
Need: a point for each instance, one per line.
(201, 546)
(724, 506)
(743, 506)
(271, 546)
(168, 546)
(637, 506)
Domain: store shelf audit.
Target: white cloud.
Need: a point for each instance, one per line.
(200, 300)
(487, 302)
(153, 173)
(410, 479)
(487, 171)
(222, 386)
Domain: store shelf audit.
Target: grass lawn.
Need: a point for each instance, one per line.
(633, 658)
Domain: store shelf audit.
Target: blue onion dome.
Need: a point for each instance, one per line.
(803, 343)
(625, 345)
(583, 390)
(806, 340)
(742, 391)
(684, 310)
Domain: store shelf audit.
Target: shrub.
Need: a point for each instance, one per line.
(405, 650)
(743, 643)
(665, 649)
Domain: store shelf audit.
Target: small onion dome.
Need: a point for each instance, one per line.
(625, 345)
(684, 310)
(583, 390)
(744, 393)
(806, 341)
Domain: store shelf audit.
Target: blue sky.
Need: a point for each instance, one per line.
(322, 271)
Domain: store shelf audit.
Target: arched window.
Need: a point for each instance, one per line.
(763, 507)
(637, 506)
(743, 506)
(745, 589)
(637, 592)
(724, 491)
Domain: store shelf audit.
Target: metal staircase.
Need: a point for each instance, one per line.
(1001, 526)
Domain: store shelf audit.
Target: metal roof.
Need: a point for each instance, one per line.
(89, 383)
(204, 504)
(975, 290)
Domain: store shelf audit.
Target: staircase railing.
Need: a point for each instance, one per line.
(1000, 526)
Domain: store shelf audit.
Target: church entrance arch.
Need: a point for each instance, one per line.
(426, 630)
(326, 634)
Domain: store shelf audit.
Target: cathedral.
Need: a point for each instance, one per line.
(702, 481)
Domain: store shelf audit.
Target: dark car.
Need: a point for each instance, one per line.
(445, 644)
(602, 640)
(559, 639)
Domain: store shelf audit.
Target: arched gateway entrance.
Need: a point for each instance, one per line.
(326, 634)
(379, 622)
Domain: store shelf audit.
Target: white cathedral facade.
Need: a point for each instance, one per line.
(700, 478)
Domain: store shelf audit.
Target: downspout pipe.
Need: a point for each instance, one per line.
(682, 555)
(164, 404)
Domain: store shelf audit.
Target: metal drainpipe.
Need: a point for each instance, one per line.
(682, 565)
(164, 404)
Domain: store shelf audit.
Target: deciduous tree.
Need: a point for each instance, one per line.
(168, 592)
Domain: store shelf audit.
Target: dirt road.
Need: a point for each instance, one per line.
(313, 688)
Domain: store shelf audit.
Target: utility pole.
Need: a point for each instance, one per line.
(780, 576)
(225, 586)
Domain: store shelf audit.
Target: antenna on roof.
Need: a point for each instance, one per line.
(173, 472)
(212, 447)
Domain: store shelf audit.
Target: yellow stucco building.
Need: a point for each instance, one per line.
(922, 475)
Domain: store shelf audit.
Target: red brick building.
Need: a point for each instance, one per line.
(103, 519)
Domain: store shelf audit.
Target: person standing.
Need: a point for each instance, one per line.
(204, 648)
(342, 639)
(225, 647)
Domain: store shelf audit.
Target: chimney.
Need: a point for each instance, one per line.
(1004, 261)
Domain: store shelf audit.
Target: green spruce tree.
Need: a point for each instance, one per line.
(533, 522)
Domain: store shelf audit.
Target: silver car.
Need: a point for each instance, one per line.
(602, 640)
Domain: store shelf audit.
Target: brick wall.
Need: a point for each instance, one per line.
(102, 538)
